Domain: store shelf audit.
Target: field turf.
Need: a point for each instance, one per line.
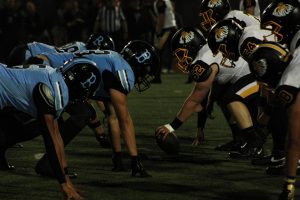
(196, 173)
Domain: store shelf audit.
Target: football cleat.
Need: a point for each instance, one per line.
(264, 160)
(276, 166)
(103, 140)
(138, 170)
(4, 165)
(118, 163)
(288, 192)
(44, 169)
(246, 152)
(229, 146)
(18, 145)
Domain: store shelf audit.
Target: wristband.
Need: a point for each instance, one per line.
(176, 123)
(169, 127)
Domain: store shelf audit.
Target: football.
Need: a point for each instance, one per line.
(170, 144)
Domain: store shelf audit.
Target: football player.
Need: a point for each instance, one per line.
(22, 53)
(26, 54)
(212, 11)
(135, 67)
(194, 56)
(41, 92)
(280, 23)
(232, 41)
(274, 64)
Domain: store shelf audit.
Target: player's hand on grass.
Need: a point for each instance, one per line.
(70, 191)
(199, 139)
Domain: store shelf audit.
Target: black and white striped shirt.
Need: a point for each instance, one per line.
(110, 19)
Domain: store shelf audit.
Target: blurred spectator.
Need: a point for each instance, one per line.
(250, 7)
(11, 27)
(34, 28)
(148, 11)
(141, 20)
(111, 20)
(166, 26)
(73, 20)
(90, 9)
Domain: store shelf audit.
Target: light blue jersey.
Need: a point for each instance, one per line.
(35, 48)
(106, 60)
(17, 85)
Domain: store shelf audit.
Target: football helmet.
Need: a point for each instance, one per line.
(185, 44)
(100, 41)
(144, 60)
(82, 77)
(212, 11)
(268, 61)
(224, 38)
(282, 18)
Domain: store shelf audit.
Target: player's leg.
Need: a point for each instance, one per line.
(238, 99)
(115, 137)
(15, 127)
(97, 127)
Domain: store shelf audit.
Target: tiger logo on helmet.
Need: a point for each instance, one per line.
(221, 33)
(186, 37)
(214, 3)
(282, 9)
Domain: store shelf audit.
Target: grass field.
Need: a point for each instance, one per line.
(196, 173)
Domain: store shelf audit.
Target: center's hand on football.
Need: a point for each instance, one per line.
(162, 131)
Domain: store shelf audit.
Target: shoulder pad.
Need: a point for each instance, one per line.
(47, 94)
(200, 71)
(286, 95)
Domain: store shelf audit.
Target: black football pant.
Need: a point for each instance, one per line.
(15, 127)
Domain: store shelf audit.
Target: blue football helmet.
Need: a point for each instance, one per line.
(100, 41)
(144, 60)
(82, 77)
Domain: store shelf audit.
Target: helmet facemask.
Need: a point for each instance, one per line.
(275, 28)
(144, 83)
(183, 59)
(207, 20)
